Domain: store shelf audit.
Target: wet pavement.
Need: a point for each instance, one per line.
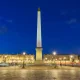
(39, 74)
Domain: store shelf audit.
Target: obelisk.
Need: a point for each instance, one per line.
(39, 39)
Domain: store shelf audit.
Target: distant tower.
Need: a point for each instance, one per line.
(39, 40)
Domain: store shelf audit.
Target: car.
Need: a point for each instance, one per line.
(4, 64)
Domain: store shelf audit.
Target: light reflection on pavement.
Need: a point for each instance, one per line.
(39, 74)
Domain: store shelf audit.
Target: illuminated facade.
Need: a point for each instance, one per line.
(17, 59)
(60, 59)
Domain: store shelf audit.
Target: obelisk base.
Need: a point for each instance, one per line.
(39, 54)
(39, 63)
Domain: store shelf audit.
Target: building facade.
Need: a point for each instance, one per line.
(17, 59)
(61, 59)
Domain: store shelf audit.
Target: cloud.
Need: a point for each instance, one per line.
(9, 21)
(63, 13)
(3, 23)
(3, 29)
(5, 20)
(71, 21)
(1, 18)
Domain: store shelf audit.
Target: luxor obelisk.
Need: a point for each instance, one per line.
(39, 39)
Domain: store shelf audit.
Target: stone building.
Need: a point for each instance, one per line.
(16, 59)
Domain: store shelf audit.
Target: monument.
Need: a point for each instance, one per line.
(39, 39)
(38, 59)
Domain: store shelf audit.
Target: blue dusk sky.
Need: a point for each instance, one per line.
(60, 26)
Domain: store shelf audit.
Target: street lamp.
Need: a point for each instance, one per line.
(23, 59)
(71, 58)
(60, 60)
(65, 60)
(5, 58)
(46, 59)
(24, 53)
(54, 53)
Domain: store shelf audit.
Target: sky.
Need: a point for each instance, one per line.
(60, 22)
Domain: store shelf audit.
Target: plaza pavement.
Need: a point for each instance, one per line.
(39, 68)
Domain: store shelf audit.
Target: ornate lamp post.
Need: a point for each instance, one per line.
(60, 61)
(23, 66)
(72, 59)
(54, 53)
(5, 58)
(65, 60)
(45, 60)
